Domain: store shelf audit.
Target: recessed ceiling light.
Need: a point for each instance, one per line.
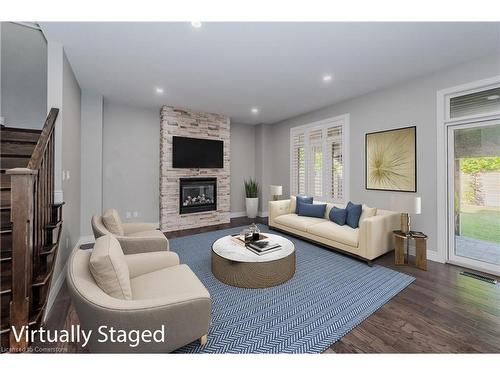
(327, 78)
(493, 97)
(255, 110)
(196, 24)
(159, 90)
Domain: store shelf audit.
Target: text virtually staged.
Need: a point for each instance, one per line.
(80, 336)
(249, 188)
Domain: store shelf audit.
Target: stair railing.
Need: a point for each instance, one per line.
(32, 217)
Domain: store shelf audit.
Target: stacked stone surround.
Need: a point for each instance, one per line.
(193, 124)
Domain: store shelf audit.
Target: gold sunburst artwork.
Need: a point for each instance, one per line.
(391, 160)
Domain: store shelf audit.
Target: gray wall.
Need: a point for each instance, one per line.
(23, 76)
(131, 160)
(264, 152)
(91, 143)
(410, 103)
(130, 163)
(71, 161)
(242, 163)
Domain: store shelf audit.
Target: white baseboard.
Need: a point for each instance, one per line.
(431, 255)
(243, 214)
(54, 290)
(435, 256)
(237, 214)
(61, 278)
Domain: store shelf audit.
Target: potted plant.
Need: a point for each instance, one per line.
(252, 197)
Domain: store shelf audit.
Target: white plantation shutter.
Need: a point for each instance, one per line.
(298, 164)
(318, 160)
(315, 163)
(335, 163)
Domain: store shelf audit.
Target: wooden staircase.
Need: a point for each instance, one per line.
(31, 225)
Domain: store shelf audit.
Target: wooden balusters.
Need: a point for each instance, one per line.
(34, 247)
(22, 183)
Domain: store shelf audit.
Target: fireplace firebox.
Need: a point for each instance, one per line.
(197, 195)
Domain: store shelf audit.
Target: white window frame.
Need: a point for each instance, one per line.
(324, 125)
(447, 100)
(443, 122)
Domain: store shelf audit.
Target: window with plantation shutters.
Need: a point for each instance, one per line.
(334, 142)
(318, 160)
(315, 167)
(298, 165)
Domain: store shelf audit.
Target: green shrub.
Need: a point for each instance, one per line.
(251, 188)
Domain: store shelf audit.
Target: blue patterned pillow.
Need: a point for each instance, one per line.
(353, 214)
(338, 215)
(312, 210)
(302, 199)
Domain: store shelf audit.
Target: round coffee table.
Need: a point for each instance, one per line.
(234, 264)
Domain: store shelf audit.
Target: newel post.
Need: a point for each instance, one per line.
(22, 185)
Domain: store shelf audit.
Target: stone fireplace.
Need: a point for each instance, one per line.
(184, 201)
(197, 195)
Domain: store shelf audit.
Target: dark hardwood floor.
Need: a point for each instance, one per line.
(441, 312)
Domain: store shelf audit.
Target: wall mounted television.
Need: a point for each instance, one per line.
(197, 153)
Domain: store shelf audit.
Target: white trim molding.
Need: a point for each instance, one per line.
(443, 121)
(55, 288)
(55, 65)
(244, 214)
(263, 214)
(29, 25)
(232, 215)
(61, 278)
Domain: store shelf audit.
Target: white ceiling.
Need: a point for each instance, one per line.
(229, 68)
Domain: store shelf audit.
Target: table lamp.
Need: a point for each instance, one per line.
(406, 204)
(276, 191)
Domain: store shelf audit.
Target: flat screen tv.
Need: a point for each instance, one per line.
(197, 153)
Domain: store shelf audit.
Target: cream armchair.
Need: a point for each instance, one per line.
(163, 293)
(136, 238)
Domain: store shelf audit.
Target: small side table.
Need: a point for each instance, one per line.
(421, 249)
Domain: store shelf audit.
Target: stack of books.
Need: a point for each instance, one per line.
(262, 247)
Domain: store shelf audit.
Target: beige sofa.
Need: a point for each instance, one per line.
(163, 292)
(372, 239)
(137, 237)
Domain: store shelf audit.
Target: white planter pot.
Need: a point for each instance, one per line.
(252, 207)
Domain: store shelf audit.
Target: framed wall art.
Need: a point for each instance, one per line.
(391, 160)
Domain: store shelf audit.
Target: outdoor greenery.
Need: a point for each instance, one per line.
(472, 167)
(476, 165)
(481, 224)
(251, 188)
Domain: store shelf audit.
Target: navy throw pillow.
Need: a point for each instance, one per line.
(312, 210)
(353, 214)
(338, 215)
(301, 199)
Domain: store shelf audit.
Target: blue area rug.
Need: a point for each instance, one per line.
(328, 296)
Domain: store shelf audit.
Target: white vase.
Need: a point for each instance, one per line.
(252, 205)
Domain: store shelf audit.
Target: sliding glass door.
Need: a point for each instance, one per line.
(474, 195)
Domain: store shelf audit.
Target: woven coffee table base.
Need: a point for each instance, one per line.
(253, 274)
